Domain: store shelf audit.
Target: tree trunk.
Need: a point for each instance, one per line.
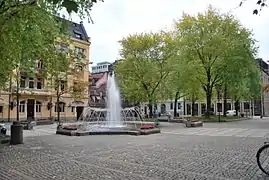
(236, 107)
(51, 107)
(150, 109)
(208, 103)
(18, 100)
(9, 97)
(175, 106)
(192, 108)
(225, 93)
(58, 106)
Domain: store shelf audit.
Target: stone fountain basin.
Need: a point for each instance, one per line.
(130, 127)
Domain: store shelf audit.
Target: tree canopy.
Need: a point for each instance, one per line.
(219, 46)
(203, 52)
(146, 63)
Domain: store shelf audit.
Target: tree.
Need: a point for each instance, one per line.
(62, 64)
(81, 7)
(206, 39)
(145, 65)
(237, 82)
(24, 38)
(181, 82)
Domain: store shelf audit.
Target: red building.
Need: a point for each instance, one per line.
(97, 94)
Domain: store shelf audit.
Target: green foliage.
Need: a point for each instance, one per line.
(146, 63)
(24, 38)
(81, 7)
(219, 48)
(10, 9)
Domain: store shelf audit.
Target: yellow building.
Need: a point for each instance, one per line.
(37, 100)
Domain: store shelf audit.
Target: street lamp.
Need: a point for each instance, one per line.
(218, 88)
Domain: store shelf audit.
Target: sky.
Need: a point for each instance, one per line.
(115, 19)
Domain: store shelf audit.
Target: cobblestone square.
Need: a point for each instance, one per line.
(154, 157)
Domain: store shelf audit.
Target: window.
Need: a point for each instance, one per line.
(22, 107)
(23, 82)
(246, 105)
(61, 107)
(1, 109)
(104, 66)
(73, 109)
(178, 105)
(38, 107)
(171, 105)
(62, 48)
(31, 82)
(79, 68)
(77, 35)
(75, 87)
(155, 107)
(79, 51)
(39, 83)
(63, 85)
(219, 107)
(39, 65)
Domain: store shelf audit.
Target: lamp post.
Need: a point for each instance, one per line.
(261, 69)
(218, 88)
(16, 129)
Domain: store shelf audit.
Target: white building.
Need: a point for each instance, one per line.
(166, 107)
(101, 67)
(184, 107)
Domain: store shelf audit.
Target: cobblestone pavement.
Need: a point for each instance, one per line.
(207, 153)
(237, 132)
(153, 157)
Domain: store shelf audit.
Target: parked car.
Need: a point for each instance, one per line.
(231, 113)
(3, 129)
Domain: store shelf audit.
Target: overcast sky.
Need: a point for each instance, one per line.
(114, 19)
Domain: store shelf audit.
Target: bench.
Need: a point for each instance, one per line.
(187, 121)
(192, 123)
(28, 125)
(44, 122)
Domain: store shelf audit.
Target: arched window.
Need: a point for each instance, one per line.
(61, 107)
(38, 107)
(22, 107)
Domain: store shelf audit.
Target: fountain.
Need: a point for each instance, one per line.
(110, 120)
(113, 103)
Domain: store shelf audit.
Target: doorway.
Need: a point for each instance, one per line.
(163, 109)
(30, 109)
(79, 110)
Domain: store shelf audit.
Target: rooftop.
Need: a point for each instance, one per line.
(102, 63)
(75, 30)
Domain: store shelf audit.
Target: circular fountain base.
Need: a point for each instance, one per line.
(130, 128)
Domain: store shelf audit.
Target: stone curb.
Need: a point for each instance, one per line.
(135, 133)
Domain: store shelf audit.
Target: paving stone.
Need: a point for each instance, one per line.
(154, 157)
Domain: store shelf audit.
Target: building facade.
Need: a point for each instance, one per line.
(101, 67)
(261, 106)
(37, 100)
(97, 95)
